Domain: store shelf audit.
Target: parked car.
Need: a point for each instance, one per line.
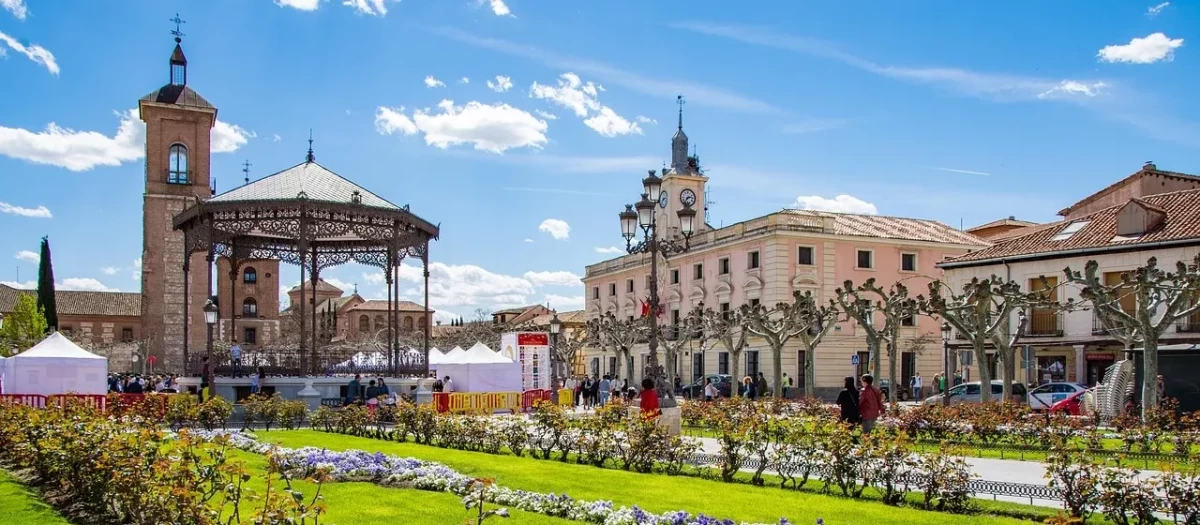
(1045, 396)
(969, 393)
(695, 390)
(1072, 404)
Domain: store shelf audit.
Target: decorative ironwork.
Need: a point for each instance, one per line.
(314, 235)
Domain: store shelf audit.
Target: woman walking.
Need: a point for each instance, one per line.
(848, 401)
(870, 405)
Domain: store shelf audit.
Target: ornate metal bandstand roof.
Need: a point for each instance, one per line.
(312, 217)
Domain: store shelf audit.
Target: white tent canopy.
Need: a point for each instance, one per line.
(452, 356)
(55, 366)
(481, 369)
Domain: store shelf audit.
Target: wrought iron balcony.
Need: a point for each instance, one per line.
(1045, 323)
(1188, 325)
(1098, 327)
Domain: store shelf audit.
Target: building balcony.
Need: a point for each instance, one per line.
(1188, 325)
(1045, 323)
(1098, 327)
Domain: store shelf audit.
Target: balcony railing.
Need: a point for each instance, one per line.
(1098, 327)
(1188, 325)
(1045, 323)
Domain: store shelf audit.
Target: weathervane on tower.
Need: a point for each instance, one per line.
(679, 100)
(246, 170)
(310, 157)
(177, 32)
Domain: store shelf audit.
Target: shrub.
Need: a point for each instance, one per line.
(1075, 477)
(1125, 499)
(515, 435)
(323, 417)
(213, 412)
(181, 411)
(1181, 496)
(292, 413)
(888, 462)
(944, 480)
(263, 409)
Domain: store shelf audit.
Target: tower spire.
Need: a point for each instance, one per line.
(679, 100)
(178, 61)
(178, 22)
(246, 170)
(310, 157)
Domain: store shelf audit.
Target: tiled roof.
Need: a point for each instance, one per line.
(575, 317)
(317, 182)
(1182, 223)
(1148, 169)
(517, 310)
(900, 228)
(1007, 221)
(381, 305)
(322, 286)
(81, 303)
(178, 95)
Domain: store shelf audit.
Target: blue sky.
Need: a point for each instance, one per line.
(962, 112)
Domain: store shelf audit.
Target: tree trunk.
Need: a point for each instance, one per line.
(1008, 371)
(672, 358)
(1149, 373)
(985, 375)
(876, 365)
(777, 364)
(734, 370)
(810, 374)
(633, 382)
(894, 391)
(616, 371)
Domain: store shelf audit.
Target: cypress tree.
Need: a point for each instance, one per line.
(45, 289)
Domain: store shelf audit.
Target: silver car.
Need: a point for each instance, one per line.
(969, 393)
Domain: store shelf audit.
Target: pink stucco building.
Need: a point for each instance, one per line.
(763, 260)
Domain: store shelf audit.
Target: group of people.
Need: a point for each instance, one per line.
(592, 392)
(139, 384)
(369, 394)
(861, 406)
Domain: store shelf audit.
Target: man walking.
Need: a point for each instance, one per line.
(916, 384)
(870, 403)
(605, 390)
(787, 385)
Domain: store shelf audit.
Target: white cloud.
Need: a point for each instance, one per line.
(1152, 11)
(464, 80)
(495, 128)
(610, 250)
(583, 99)
(110, 270)
(609, 124)
(1148, 50)
(27, 285)
(571, 93)
(137, 269)
(642, 119)
(84, 150)
(227, 138)
(367, 7)
(303, 5)
(468, 285)
(84, 284)
(499, 8)
(558, 278)
(34, 52)
(546, 115)
(16, 7)
(839, 204)
(345, 286)
(954, 170)
(40, 212)
(501, 85)
(528, 240)
(27, 256)
(563, 303)
(431, 82)
(276, 138)
(559, 229)
(812, 125)
(1072, 88)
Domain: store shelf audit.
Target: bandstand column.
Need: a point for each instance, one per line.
(428, 317)
(316, 275)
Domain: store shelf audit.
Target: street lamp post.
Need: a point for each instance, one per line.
(555, 328)
(210, 319)
(946, 363)
(656, 246)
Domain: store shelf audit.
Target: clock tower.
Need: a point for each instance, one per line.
(178, 126)
(683, 182)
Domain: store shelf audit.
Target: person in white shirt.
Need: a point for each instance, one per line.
(710, 391)
(916, 386)
(447, 385)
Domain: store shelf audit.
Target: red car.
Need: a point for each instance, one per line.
(1070, 405)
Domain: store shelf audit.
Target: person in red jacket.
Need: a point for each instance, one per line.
(649, 400)
(870, 403)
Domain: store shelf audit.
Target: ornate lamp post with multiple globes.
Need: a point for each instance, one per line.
(656, 245)
(946, 331)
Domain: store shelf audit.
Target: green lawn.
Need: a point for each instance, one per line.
(369, 504)
(654, 492)
(19, 505)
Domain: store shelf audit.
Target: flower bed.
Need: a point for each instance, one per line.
(393, 471)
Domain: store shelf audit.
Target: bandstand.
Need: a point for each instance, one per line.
(310, 216)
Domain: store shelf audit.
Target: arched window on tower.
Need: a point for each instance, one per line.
(249, 275)
(249, 307)
(364, 323)
(421, 322)
(177, 165)
(379, 322)
(408, 323)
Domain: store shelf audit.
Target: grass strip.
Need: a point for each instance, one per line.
(21, 505)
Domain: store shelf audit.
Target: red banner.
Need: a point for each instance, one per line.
(533, 339)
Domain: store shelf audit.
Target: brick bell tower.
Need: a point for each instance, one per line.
(178, 126)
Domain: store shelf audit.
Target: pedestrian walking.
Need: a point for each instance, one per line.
(870, 403)
(649, 400)
(710, 391)
(847, 400)
(916, 385)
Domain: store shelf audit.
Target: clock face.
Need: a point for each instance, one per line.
(687, 197)
(662, 200)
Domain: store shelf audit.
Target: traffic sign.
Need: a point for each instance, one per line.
(854, 359)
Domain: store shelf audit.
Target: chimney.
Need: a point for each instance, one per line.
(1149, 166)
